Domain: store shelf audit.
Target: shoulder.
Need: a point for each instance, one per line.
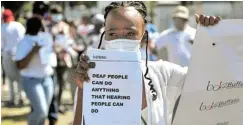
(64, 24)
(167, 68)
(163, 35)
(16, 24)
(167, 32)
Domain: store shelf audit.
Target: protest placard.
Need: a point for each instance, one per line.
(213, 90)
(114, 93)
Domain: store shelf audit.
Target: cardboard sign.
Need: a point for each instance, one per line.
(213, 90)
(114, 93)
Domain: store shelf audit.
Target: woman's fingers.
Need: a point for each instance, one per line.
(206, 20)
(84, 58)
(201, 19)
(83, 66)
(80, 75)
(86, 77)
(211, 20)
(197, 18)
(217, 19)
(92, 64)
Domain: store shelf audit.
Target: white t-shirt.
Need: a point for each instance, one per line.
(11, 34)
(177, 44)
(168, 80)
(37, 67)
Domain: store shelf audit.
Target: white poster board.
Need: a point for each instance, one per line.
(213, 90)
(114, 93)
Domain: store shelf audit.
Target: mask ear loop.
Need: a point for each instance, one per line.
(154, 93)
(101, 38)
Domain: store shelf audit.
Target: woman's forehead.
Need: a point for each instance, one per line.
(124, 17)
(125, 10)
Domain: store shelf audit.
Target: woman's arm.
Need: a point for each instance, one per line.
(78, 112)
(79, 77)
(25, 61)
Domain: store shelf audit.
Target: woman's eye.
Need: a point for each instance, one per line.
(130, 34)
(112, 34)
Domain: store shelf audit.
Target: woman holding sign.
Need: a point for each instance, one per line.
(126, 20)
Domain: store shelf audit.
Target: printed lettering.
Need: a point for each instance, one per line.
(99, 75)
(97, 82)
(219, 104)
(99, 57)
(117, 104)
(224, 85)
(105, 90)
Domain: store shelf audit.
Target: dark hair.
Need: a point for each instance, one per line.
(138, 5)
(33, 26)
(142, 9)
(40, 8)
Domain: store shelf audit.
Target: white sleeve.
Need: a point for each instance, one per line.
(175, 74)
(23, 49)
(178, 74)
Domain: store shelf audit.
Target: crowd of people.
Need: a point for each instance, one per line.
(37, 54)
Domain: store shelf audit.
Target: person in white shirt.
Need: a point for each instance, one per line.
(40, 10)
(35, 70)
(176, 42)
(163, 81)
(12, 32)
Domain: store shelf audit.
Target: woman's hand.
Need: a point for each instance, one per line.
(207, 20)
(36, 48)
(81, 73)
(80, 76)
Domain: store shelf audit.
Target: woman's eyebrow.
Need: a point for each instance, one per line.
(130, 28)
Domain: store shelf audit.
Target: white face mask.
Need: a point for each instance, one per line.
(122, 45)
(56, 17)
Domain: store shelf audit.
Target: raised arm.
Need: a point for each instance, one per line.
(80, 76)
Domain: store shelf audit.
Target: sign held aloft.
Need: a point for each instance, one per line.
(213, 90)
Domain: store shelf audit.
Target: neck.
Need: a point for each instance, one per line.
(182, 28)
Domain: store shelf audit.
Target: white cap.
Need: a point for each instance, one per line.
(181, 12)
